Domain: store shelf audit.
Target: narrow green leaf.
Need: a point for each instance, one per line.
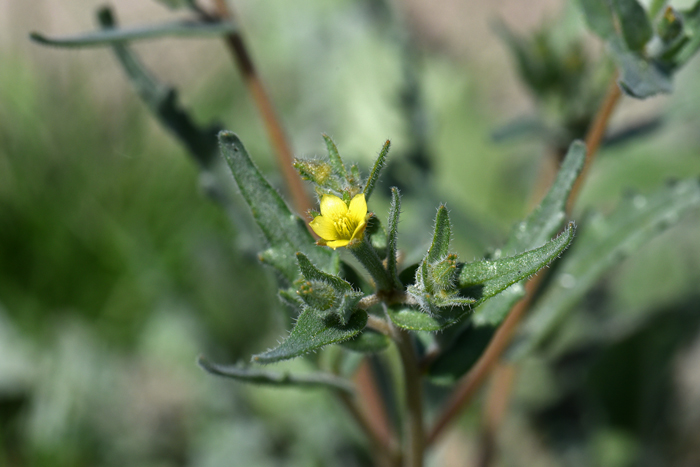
(376, 170)
(393, 227)
(537, 228)
(270, 378)
(483, 280)
(110, 36)
(311, 333)
(599, 17)
(634, 23)
(639, 77)
(285, 232)
(312, 273)
(334, 157)
(441, 238)
(602, 243)
(163, 103)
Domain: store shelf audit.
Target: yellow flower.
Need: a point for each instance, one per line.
(339, 224)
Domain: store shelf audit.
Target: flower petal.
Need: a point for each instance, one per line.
(359, 230)
(337, 243)
(358, 209)
(333, 207)
(324, 228)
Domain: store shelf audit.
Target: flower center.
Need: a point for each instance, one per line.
(345, 227)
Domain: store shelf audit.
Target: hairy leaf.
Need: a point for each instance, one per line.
(376, 170)
(484, 280)
(313, 332)
(539, 226)
(334, 157)
(599, 17)
(285, 232)
(393, 226)
(639, 77)
(270, 378)
(602, 244)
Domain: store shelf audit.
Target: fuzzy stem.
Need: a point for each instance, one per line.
(365, 254)
(414, 438)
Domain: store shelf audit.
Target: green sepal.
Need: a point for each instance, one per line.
(634, 23)
(393, 227)
(483, 280)
(542, 224)
(602, 244)
(106, 37)
(376, 170)
(368, 341)
(313, 332)
(269, 378)
(326, 294)
(318, 172)
(286, 233)
(335, 160)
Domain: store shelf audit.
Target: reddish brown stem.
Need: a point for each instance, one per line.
(277, 136)
(473, 380)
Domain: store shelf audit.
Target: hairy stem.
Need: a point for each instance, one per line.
(367, 256)
(414, 438)
(473, 380)
(275, 132)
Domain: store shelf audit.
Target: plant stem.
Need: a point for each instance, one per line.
(414, 438)
(277, 136)
(382, 444)
(365, 254)
(473, 380)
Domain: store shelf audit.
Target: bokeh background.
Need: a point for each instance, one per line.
(116, 269)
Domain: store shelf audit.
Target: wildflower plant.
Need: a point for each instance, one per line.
(339, 264)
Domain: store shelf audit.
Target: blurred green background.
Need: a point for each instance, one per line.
(116, 270)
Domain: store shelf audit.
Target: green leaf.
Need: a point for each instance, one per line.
(602, 243)
(163, 103)
(270, 378)
(334, 157)
(599, 17)
(368, 341)
(313, 332)
(639, 77)
(691, 27)
(536, 229)
(634, 23)
(393, 226)
(285, 232)
(441, 238)
(484, 280)
(376, 170)
(120, 36)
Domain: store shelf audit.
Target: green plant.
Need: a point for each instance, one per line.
(449, 321)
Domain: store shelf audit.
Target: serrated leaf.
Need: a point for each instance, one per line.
(107, 37)
(634, 23)
(368, 341)
(376, 170)
(599, 17)
(602, 244)
(639, 77)
(313, 332)
(540, 225)
(280, 379)
(392, 235)
(285, 232)
(484, 280)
